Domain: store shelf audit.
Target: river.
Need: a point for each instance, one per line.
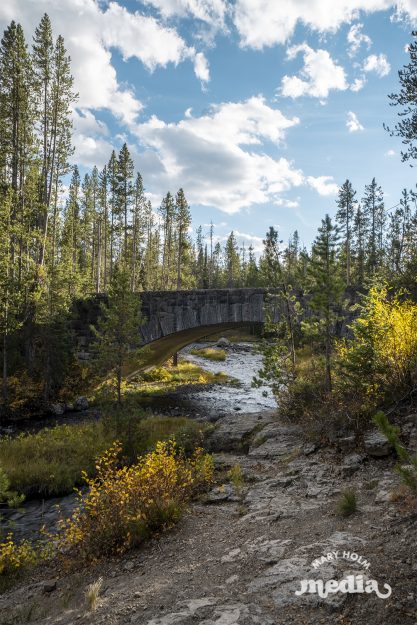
(202, 402)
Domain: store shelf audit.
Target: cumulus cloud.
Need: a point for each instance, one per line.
(378, 64)
(356, 38)
(319, 75)
(358, 84)
(201, 67)
(352, 122)
(267, 23)
(324, 185)
(212, 156)
(390, 153)
(211, 12)
(91, 31)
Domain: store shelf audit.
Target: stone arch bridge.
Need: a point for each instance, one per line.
(173, 319)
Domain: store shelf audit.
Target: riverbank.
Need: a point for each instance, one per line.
(240, 554)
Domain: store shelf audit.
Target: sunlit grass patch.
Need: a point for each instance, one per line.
(162, 379)
(210, 353)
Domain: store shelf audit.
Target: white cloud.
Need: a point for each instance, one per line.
(90, 31)
(287, 203)
(245, 239)
(142, 37)
(356, 38)
(90, 151)
(352, 122)
(324, 185)
(212, 12)
(319, 75)
(201, 67)
(212, 156)
(390, 153)
(269, 22)
(358, 84)
(378, 64)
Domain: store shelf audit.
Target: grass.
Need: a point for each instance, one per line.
(348, 504)
(160, 380)
(210, 353)
(50, 462)
(93, 594)
(236, 477)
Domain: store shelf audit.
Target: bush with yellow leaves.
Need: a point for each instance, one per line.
(380, 362)
(14, 556)
(123, 505)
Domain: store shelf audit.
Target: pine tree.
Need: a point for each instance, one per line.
(345, 215)
(112, 181)
(125, 193)
(117, 331)
(252, 275)
(167, 212)
(406, 99)
(326, 288)
(232, 261)
(374, 213)
(139, 231)
(183, 222)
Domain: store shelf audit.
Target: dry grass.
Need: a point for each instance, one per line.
(92, 594)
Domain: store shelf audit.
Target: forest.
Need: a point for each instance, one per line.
(340, 362)
(65, 238)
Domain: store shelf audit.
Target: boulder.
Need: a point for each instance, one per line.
(57, 409)
(347, 443)
(224, 343)
(80, 404)
(351, 464)
(377, 445)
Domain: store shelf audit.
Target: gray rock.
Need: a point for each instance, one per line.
(49, 585)
(346, 443)
(351, 464)
(232, 432)
(224, 343)
(221, 494)
(80, 404)
(411, 418)
(57, 409)
(309, 448)
(377, 445)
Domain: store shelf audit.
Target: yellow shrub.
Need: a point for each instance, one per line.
(382, 357)
(124, 505)
(14, 556)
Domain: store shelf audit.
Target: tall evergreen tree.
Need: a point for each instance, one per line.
(326, 288)
(406, 100)
(345, 215)
(374, 213)
(117, 331)
(183, 222)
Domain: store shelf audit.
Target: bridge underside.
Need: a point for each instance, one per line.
(159, 351)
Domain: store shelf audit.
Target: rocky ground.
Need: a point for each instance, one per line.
(240, 554)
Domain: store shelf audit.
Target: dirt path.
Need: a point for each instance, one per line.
(238, 557)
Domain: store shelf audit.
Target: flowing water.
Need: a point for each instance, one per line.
(204, 402)
(242, 363)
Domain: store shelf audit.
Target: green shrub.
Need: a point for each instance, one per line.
(348, 503)
(236, 477)
(392, 432)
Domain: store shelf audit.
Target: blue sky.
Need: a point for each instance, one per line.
(259, 109)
